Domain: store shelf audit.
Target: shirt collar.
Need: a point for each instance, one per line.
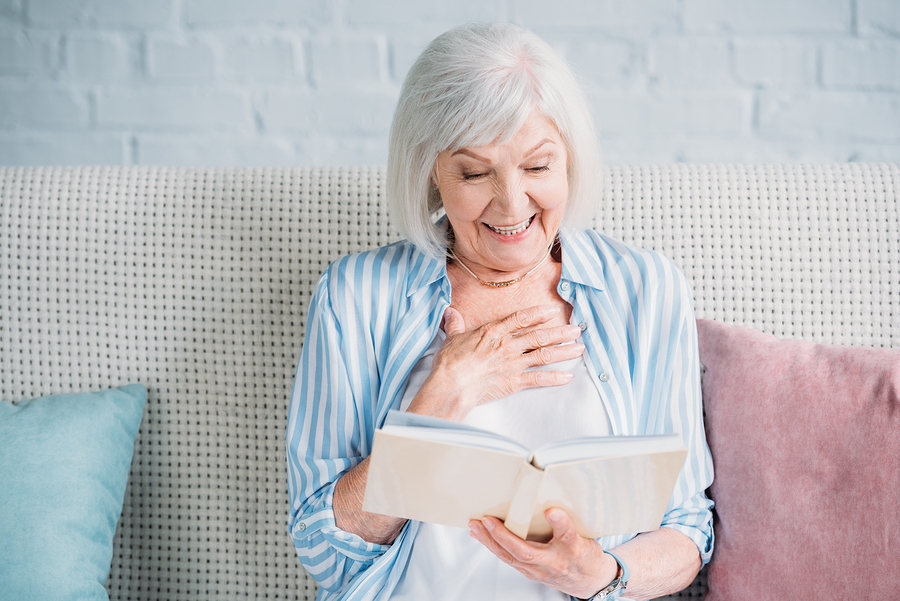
(428, 270)
(579, 259)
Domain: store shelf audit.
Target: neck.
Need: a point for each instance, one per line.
(501, 283)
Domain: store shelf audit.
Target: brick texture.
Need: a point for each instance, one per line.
(11, 8)
(691, 63)
(639, 17)
(63, 148)
(831, 116)
(173, 108)
(32, 54)
(180, 58)
(240, 14)
(861, 65)
(879, 17)
(770, 16)
(780, 63)
(43, 108)
(126, 14)
(348, 60)
(101, 57)
(270, 58)
(314, 82)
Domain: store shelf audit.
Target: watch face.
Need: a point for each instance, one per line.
(612, 591)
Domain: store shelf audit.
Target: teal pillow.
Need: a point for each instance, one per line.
(64, 463)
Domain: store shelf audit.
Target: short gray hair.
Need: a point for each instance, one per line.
(471, 85)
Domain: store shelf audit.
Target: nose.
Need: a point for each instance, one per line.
(511, 196)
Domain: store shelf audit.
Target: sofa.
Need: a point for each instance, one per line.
(194, 283)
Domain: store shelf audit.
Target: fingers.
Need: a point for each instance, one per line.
(542, 379)
(531, 316)
(525, 331)
(567, 562)
(521, 321)
(535, 338)
(494, 360)
(562, 525)
(453, 322)
(521, 333)
(546, 355)
(508, 547)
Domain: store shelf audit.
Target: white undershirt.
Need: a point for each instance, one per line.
(445, 563)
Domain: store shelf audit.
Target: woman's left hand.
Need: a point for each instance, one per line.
(569, 562)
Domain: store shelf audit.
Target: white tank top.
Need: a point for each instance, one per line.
(445, 563)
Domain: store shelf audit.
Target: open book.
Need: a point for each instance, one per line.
(443, 472)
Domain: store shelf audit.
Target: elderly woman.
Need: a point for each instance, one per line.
(504, 313)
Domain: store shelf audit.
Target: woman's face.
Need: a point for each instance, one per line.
(505, 202)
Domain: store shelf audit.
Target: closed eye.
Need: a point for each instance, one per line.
(540, 169)
(472, 176)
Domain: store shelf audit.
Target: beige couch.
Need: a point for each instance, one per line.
(195, 283)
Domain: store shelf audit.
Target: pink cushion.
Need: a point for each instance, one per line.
(806, 444)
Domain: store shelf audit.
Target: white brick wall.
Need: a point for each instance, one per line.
(314, 82)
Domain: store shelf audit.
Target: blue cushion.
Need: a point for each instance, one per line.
(64, 463)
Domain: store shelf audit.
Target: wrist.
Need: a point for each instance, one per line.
(617, 583)
(440, 403)
(603, 571)
(349, 516)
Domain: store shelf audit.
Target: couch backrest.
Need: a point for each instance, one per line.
(195, 283)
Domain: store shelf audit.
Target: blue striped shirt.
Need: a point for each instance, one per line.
(374, 314)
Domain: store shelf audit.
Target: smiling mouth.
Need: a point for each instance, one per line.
(511, 230)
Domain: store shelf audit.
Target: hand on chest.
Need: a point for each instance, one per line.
(480, 305)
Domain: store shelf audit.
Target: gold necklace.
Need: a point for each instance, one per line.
(500, 284)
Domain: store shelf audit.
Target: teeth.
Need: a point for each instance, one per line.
(512, 230)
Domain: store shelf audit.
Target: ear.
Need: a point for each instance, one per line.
(434, 180)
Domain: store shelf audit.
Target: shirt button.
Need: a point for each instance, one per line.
(564, 286)
(604, 377)
(583, 326)
(301, 527)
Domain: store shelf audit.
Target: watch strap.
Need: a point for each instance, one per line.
(626, 574)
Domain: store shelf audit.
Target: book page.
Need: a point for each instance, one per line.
(604, 446)
(441, 430)
(609, 496)
(441, 483)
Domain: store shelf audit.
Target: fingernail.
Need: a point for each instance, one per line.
(551, 309)
(489, 524)
(553, 516)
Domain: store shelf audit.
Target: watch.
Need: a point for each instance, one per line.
(615, 588)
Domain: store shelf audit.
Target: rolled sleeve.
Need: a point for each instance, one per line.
(694, 520)
(690, 509)
(331, 556)
(324, 440)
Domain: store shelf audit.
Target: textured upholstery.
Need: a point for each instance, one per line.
(195, 283)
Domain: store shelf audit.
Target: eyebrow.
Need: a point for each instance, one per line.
(469, 153)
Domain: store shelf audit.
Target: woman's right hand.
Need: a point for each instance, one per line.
(491, 362)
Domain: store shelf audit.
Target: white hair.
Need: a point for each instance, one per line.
(469, 87)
